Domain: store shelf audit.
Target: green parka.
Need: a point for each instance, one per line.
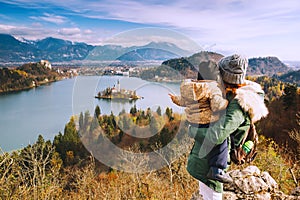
(246, 106)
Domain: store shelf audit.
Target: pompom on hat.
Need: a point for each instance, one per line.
(233, 69)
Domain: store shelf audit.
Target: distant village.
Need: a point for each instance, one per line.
(69, 70)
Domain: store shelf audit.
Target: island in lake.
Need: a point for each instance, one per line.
(116, 93)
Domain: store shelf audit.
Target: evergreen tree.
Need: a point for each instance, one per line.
(289, 97)
(148, 113)
(112, 121)
(97, 112)
(158, 111)
(169, 113)
(80, 120)
(69, 144)
(133, 110)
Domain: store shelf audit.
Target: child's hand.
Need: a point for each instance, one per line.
(173, 97)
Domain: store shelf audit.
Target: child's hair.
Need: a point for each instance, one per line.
(208, 70)
(199, 77)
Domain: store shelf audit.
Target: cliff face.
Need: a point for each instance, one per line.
(250, 183)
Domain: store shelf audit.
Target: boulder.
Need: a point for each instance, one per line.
(250, 183)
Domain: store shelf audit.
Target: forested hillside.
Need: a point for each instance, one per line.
(291, 77)
(27, 76)
(188, 66)
(267, 66)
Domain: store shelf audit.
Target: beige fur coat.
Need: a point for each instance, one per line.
(250, 98)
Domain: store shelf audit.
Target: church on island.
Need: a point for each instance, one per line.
(117, 93)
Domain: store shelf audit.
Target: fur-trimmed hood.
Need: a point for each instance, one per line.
(251, 99)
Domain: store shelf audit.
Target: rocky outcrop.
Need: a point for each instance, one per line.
(250, 183)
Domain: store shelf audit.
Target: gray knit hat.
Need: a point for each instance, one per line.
(233, 69)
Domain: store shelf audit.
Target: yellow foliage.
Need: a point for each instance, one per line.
(269, 159)
(21, 73)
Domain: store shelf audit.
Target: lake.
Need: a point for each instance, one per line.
(46, 109)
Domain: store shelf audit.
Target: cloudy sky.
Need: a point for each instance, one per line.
(254, 28)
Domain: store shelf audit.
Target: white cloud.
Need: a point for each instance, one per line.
(69, 31)
(230, 24)
(226, 23)
(88, 31)
(40, 32)
(50, 18)
(6, 28)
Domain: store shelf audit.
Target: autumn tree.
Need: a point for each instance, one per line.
(39, 163)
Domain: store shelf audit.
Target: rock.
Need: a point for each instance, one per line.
(296, 191)
(196, 196)
(229, 187)
(251, 171)
(236, 174)
(251, 185)
(248, 171)
(229, 196)
(263, 196)
(269, 181)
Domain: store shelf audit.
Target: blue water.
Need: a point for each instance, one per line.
(45, 110)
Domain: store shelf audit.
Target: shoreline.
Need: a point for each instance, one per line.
(31, 87)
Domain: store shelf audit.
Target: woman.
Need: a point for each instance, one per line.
(245, 105)
(204, 100)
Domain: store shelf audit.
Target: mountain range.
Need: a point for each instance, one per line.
(58, 50)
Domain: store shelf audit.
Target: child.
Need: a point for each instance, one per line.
(203, 100)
